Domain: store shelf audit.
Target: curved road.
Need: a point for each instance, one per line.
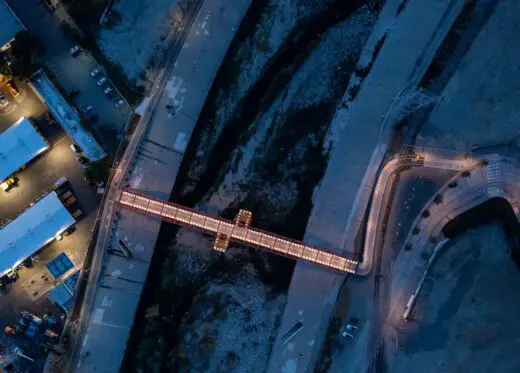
(423, 159)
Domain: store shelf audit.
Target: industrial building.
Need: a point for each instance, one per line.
(11, 25)
(32, 230)
(19, 144)
(66, 116)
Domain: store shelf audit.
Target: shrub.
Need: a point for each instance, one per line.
(415, 231)
(438, 199)
(97, 171)
(24, 51)
(425, 214)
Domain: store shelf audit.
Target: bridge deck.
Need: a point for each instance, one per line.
(253, 237)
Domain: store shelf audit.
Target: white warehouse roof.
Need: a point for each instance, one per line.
(18, 145)
(67, 117)
(32, 230)
(10, 24)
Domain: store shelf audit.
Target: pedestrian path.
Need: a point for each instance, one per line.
(239, 231)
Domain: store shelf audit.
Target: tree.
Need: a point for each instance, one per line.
(25, 49)
(26, 44)
(97, 171)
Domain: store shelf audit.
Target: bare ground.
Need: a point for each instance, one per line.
(467, 314)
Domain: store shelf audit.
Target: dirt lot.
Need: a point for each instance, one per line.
(468, 310)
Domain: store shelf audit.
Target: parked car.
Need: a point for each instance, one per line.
(69, 231)
(70, 201)
(108, 90)
(90, 182)
(66, 195)
(13, 90)
(119, 103)
(95, 72)
(102, 81)
(76, 214)
(347, 335)
(9, 330)
(49, 319)
(32, 319)
(82, 161)
(351, 327)
(74, 51)
(51, 334)
(3, 101)
(86, 108)
(9, 183)
(75, 148)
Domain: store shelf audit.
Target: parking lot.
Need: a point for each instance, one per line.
(29, 292)
(73, 72)
(26, 105)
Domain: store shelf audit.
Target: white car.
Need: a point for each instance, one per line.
(96, 71)
(102, 81)
(75, 148)
(119, 103)
(347, 335)
(3, 101)
(351, 327)
(86, 108)
(108, 90)
(74, 51)
(82, 161)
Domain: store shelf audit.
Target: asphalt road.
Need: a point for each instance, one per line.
(73, 72)
(26, 105)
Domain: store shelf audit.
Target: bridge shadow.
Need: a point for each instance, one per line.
(494, 209)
